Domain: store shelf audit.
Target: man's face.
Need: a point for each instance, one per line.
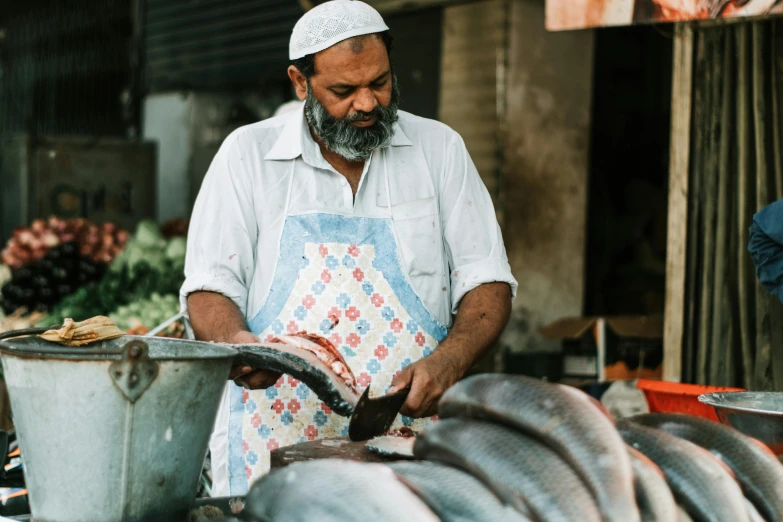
(353, 77)
(351, 100)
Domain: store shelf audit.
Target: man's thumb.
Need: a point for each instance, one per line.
(401, 380)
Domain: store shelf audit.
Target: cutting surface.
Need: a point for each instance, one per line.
(341, 448)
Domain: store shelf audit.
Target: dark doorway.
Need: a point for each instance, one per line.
(626, 237)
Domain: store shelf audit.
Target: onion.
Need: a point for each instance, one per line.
(7, 257)
(86, 250)
(108, 240)
(38, 226)
(122, 236)
(25, 237)
(35, 243)
(103, 256)
(22, 256)
(50, 239)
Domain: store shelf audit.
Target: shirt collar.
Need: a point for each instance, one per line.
(289, 143)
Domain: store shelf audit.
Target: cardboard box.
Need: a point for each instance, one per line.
(609, 348)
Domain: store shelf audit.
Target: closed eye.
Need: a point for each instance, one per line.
(342, 92)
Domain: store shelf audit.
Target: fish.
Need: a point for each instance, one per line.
(682, 515)
(310, 359)
(653, 496)
(391, 446)
(565, 419)
(522, 471)
(333, 490)
(757, 469)
(454, 495)
(699, 483)
(753, 513)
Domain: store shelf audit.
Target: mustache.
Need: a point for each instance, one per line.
(362, 115)
(353, 143)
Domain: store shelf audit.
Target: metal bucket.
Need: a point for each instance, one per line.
(117, 431)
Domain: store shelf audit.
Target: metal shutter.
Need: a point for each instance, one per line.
(214, 43)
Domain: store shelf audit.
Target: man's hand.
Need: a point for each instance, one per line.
(482, 315)
(428, 379)
(246, 376)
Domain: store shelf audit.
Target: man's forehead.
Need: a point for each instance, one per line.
(361, 56)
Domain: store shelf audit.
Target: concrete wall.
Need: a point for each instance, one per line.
(167, 121)
(189, 128)
(474, 43)
(544, 193)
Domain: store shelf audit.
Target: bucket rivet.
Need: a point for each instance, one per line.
(118, 374)
(135, 351)
(134, 377)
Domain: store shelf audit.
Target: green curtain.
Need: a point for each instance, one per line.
(734, 330)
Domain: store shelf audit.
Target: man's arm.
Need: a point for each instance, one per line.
(482, 315)
(217, 318)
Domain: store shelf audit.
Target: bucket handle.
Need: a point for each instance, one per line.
(27, 331)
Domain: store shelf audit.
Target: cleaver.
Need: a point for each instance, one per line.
(373, 417)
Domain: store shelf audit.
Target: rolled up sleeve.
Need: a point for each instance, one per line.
(766, 247)
(474, 243)
(223, 231)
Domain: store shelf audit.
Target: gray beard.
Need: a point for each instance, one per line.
(353, 143)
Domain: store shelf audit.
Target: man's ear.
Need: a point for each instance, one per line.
(299, 81)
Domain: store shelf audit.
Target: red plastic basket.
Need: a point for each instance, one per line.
(675, 397)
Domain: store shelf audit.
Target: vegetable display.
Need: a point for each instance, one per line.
(100, 243)
(74, 268)
(147, 313)
(40, 285)
(148, 265)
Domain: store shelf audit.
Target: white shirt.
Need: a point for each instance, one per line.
(237, 223)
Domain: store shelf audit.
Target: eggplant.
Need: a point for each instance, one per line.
(69, 249)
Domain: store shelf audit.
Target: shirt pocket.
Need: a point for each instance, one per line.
(418, 231)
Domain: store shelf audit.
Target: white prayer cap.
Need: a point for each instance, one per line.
(331, 22)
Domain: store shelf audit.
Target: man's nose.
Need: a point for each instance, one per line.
(365, 101)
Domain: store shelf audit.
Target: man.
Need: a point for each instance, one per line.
(348, 219)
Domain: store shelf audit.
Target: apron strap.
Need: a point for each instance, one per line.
(391, 212)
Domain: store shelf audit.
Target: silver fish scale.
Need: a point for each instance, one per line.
(655, 500)
(333, 490)
(454, 495)
(699, 483)
(757, 469)
(522, 471)
(563, 418)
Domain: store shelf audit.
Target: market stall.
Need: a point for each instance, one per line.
(75, 268)
(506, 447)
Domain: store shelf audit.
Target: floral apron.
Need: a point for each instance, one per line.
(340, 277)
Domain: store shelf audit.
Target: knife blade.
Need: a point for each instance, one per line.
(373, 416)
